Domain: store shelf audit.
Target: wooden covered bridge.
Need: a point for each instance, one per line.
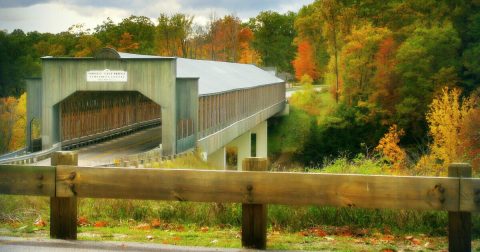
(198, 103)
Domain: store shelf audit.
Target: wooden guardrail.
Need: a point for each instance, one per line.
(64, 181)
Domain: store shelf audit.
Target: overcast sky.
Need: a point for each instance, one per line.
(57, 15)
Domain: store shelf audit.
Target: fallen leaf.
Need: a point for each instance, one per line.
(176, 238)
(82, 221)
(388, 250)
(416, 241)
(328, 238)
(40, 223)
(429, 245)
(304, 233)
(358, 241)
(143, 226)
(100, 224)
(361, 232)
(155, 223)
(388, 238)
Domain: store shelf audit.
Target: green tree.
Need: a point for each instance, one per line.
(273, 39)
(427, 61)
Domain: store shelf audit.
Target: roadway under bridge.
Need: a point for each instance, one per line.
(144, 102)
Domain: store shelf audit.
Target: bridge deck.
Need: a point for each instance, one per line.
(105, 152)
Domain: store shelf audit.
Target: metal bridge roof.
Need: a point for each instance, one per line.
(215, 76)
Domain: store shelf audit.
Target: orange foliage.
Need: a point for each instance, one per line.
(247, 54)
(384, 79)
(388, 147)
(126, 43)
(304, 62)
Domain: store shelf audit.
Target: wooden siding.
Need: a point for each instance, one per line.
(223, 117)
(88, 113)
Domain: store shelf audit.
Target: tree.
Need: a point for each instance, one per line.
(358, 65)
(12, 123)
(330, 11)
(427, 61)
(172, 33)
(385, 81)
(309, 26)
(304, 63)
(126, 43)
(273, 39)
(448, 118)
(87, 45)
(247, 53)
(389, 149)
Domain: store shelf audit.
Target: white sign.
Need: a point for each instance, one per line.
(106, 76)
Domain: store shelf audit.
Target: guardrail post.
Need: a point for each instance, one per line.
(460, 223)
(254, 216)
(63, 211)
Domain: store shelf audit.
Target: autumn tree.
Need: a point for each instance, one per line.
(330, 12)
(304, 62)
(385, 80)
(12, 123)
(309, 26)
(358, 65)
(247, 53)
(172, 33)
(388, 147)
(448, 119)
(87, 45)
(126, 43)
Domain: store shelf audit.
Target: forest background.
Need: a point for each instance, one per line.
(401, 79)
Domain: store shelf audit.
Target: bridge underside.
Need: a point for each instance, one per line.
(86, 116)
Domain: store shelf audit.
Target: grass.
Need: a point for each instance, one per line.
(317, 238)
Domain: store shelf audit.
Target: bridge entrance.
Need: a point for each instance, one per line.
(90, 116)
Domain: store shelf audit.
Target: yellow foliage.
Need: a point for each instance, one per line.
(308, 99)
(12, 123)
(447, 119)
(388, 147)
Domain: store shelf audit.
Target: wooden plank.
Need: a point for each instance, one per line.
(63, 211)
(254, 216)
(435, 193)
(459, 223)
(470, 195)
(27, 180)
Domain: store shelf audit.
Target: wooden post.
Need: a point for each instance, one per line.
(460, 223)
(254, 216)
(63, 211)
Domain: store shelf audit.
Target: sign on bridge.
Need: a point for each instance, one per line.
(107, 75)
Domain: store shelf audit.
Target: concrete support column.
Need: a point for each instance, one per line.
(169, 130)
(218, 158)
(261, 139)
(244, 147)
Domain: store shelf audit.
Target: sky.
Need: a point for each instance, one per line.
(58, 15)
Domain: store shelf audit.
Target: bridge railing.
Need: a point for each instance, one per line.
(64, 181)
(31, 157)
